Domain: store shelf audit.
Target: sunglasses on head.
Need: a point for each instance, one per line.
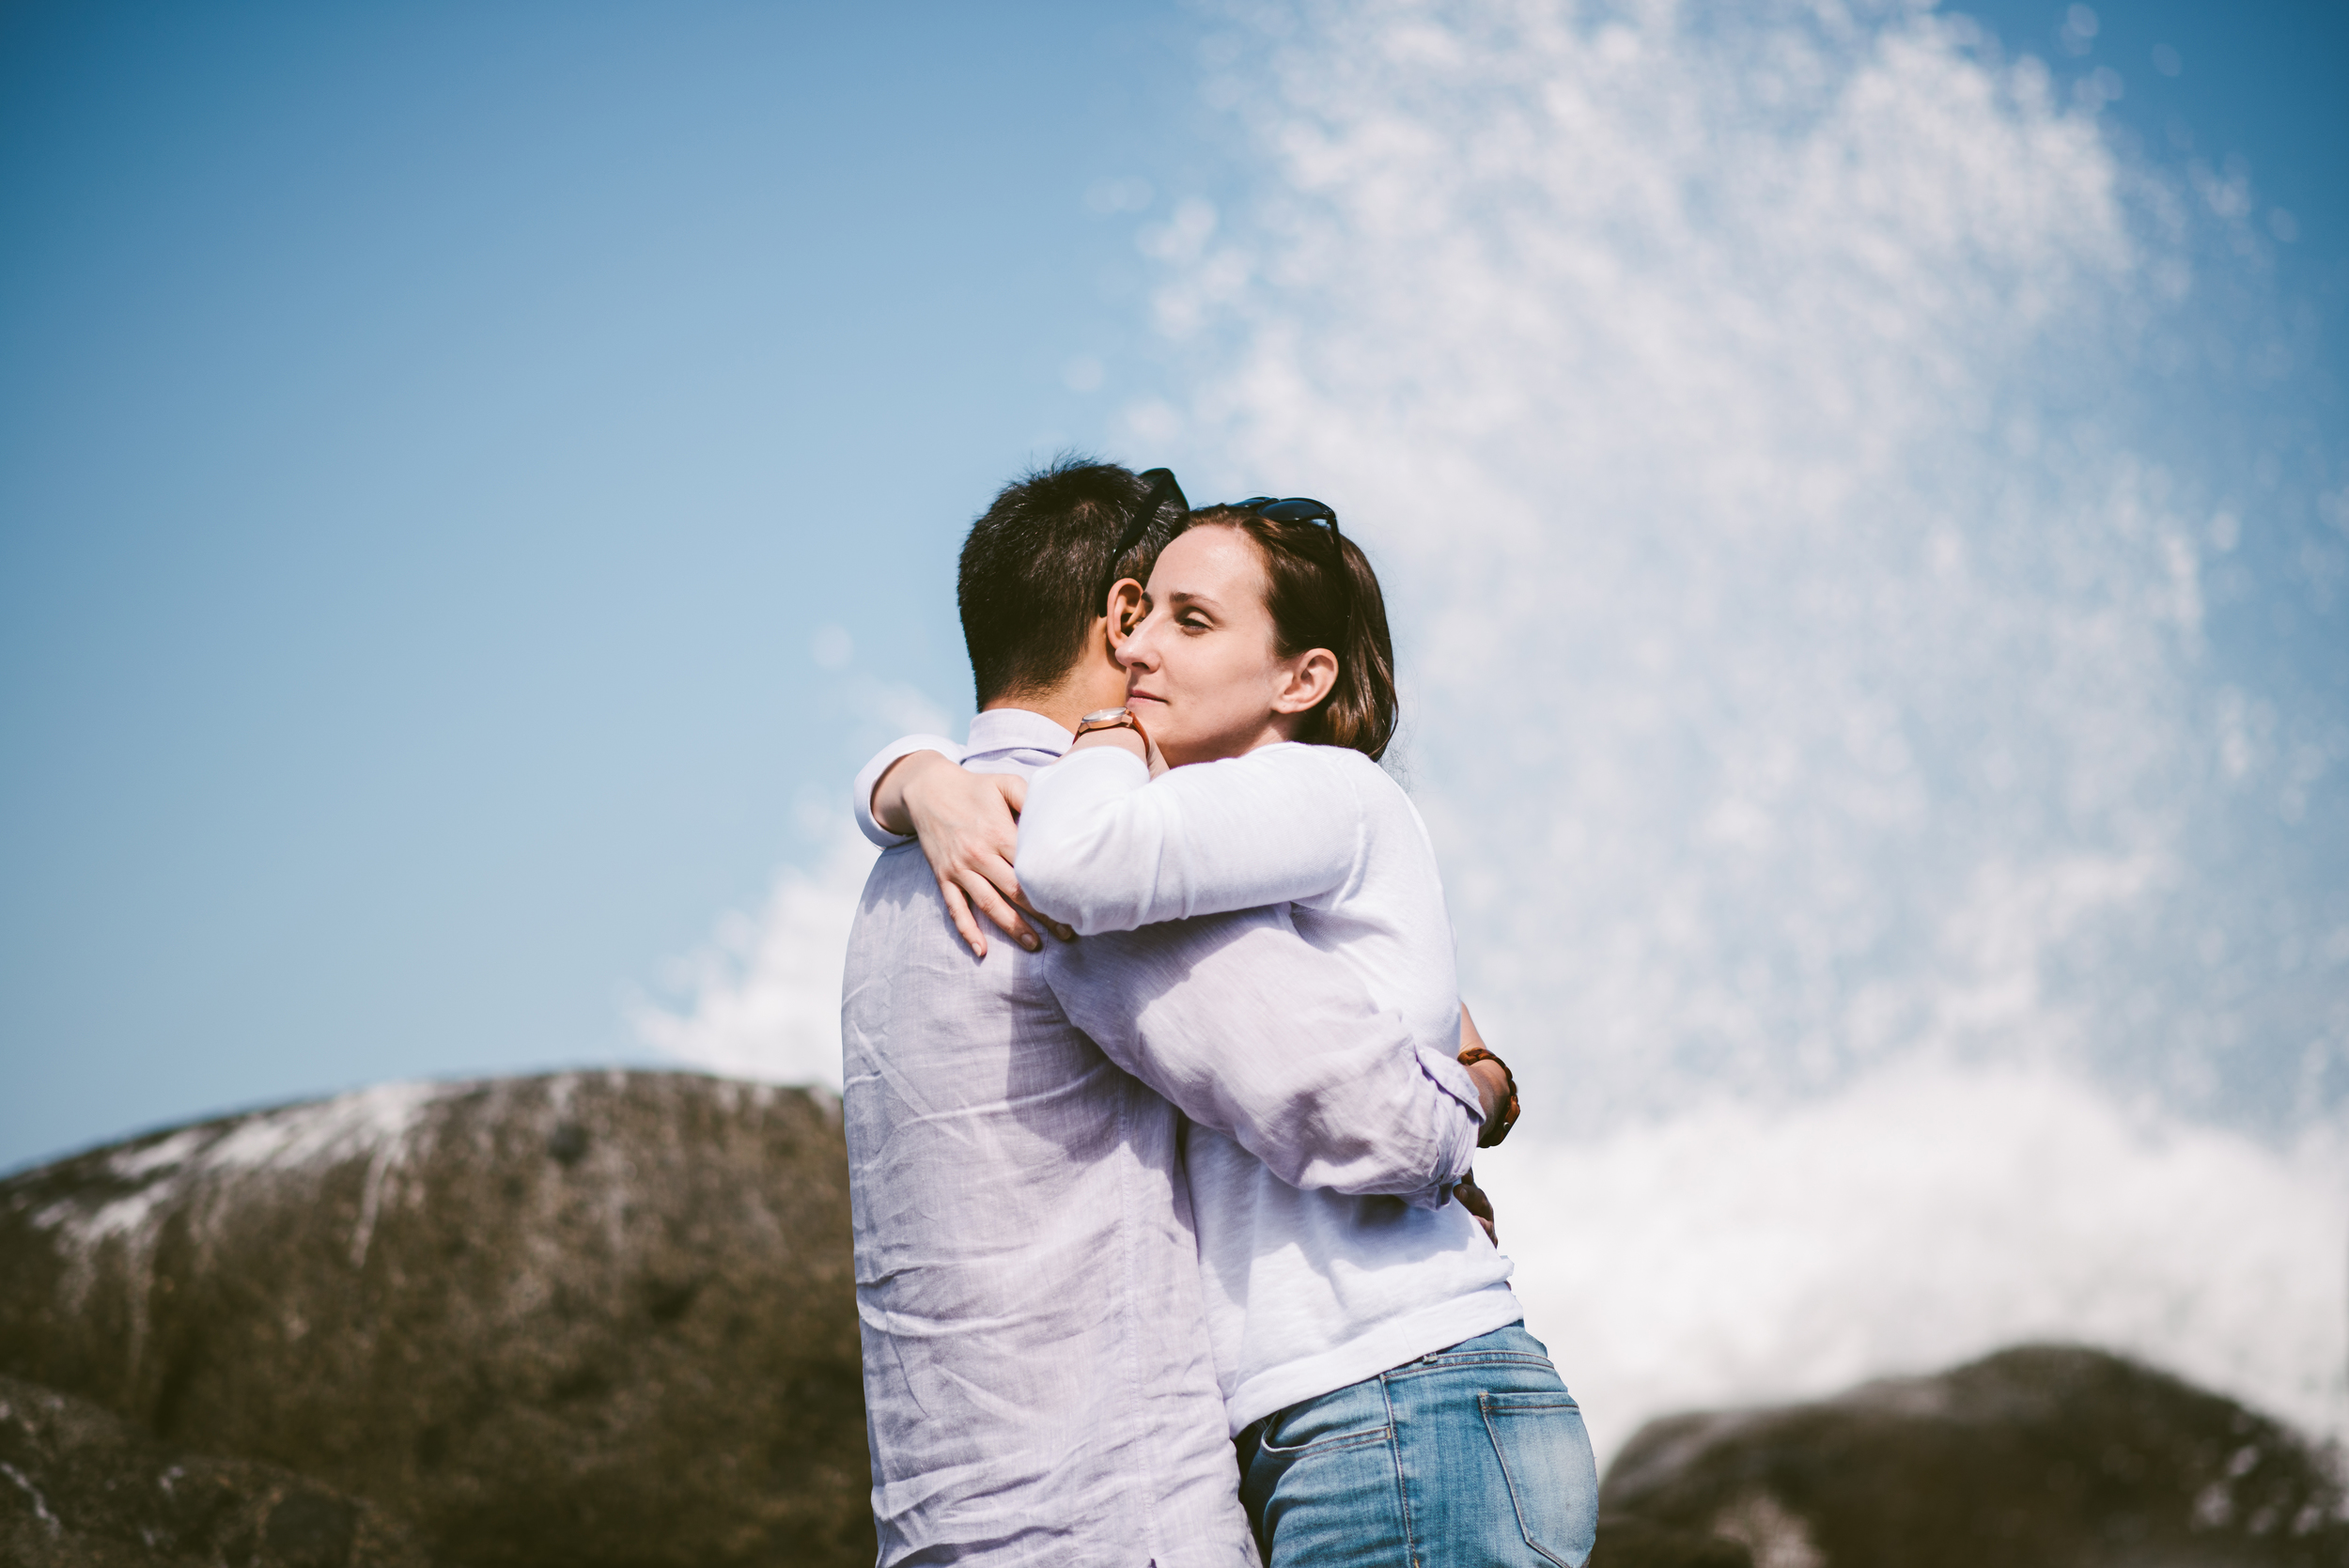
(1295, 508)
(1162, 490)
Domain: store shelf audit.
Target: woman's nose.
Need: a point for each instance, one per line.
(1134, 652)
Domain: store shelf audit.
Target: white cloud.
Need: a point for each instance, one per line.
(765, 991)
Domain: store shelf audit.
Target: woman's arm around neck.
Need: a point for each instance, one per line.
(1104, 847)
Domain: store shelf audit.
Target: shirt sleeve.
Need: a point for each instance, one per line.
(1247, 1028)
(1103, 846)
(868, 778)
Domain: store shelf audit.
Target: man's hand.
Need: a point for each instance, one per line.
(1492, 1087)
(969, 827)
(1473, 1199)
(1491, 1078)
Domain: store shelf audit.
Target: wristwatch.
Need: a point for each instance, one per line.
(1114, 718)
(1505, 1113)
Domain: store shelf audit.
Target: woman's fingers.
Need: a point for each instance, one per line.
(983, 892)
(959, 910)
(985, 879)
(993, 885)
(969, 827)
(1013, 893)
(1013, 790)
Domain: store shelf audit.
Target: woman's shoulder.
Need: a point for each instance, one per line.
(1300, 756)
(1325, 768)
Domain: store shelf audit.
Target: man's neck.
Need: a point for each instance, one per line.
(1062, 706)
(1087, 688)
(1096, 681)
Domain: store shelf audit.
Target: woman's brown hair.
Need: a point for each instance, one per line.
(1322, 594)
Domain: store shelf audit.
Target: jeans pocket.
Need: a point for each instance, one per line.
(1301, 1445)
(1553, 1480)
(1349, 1416)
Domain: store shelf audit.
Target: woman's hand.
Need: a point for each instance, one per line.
(969, 827)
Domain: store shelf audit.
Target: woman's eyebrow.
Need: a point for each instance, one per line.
(1183, 596)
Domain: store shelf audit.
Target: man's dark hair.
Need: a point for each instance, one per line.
(1034, 567)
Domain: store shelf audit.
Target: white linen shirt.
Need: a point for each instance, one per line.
(1003, 740)
(1307, 1291)
(1039, 1382)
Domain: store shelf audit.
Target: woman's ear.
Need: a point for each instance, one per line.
(1126, 606)
(1311, 675)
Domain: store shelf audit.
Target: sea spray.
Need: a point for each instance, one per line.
(1782, 434)
(1824, 532)
(1855, 609)
(1915, 1218)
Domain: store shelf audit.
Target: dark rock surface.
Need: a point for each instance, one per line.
(586, 1319)
(608, 1320)
(81, 1488)
(2042, 1456)
(1626, 1540)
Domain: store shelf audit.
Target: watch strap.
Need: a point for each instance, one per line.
(1505, 1113)
(1114, 718)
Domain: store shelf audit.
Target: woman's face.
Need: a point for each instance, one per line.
(1201, 672)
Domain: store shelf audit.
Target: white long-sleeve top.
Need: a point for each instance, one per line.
(1307, 1291)
(1040, 1387)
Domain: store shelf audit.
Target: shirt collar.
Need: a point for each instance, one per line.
(1005, 729)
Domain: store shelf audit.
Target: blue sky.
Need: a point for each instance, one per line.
(470, 476)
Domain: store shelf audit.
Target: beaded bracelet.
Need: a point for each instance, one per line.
(1495, 1132)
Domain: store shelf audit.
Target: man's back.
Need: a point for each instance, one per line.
(1037, 1377)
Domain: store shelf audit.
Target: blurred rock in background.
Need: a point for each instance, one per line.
(81, 1489)
(2044, 1454)
(608, 1320)
(1626, 1540)
(586, 1319)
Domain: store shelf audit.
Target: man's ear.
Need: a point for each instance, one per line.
(1312, 675)
(1126, 607)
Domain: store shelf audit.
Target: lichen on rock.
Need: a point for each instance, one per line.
(586, 1318)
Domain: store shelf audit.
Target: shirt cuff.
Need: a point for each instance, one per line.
(1459, 1118)
(868, 778)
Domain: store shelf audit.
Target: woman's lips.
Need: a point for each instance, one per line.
(1145, 697)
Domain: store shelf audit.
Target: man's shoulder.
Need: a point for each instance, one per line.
(898, 873)
(902, 926)
(901, 896)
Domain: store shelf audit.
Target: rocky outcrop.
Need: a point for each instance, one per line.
(81, 1488)
(608, 1320)
(1627, 1541)
(585, 1319)
(2042, 1456)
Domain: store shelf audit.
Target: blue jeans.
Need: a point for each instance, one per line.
(1471, 1457)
